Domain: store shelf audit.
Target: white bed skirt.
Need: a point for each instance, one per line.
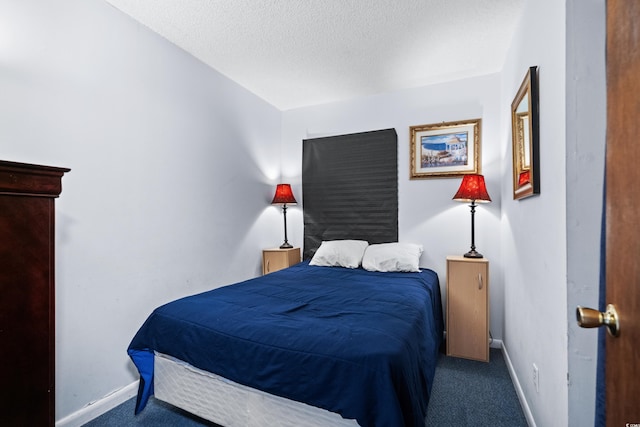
(230, 404)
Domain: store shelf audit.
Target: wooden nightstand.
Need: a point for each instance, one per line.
(277, 259)
(468, 308)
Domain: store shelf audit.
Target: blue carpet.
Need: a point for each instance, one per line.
(156, 414)
(471, 393)
(465, 393)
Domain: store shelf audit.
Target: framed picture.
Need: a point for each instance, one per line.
(525, 130)
(445, 149)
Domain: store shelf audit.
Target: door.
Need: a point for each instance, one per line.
(623, 210)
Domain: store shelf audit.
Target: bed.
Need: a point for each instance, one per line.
(348, 337)
(361, 344)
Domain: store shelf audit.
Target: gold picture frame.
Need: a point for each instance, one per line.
(447, 149)
(525, 137)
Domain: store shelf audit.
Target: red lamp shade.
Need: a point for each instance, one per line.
(524, 178)
(472, 189)
(283, 195)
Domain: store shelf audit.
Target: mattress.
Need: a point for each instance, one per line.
(230, 404)
(356, 343)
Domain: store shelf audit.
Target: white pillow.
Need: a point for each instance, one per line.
(392, 257)
(340, 253)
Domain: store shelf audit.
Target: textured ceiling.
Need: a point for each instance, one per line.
(298, 53)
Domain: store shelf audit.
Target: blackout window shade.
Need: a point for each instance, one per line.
(350, 188)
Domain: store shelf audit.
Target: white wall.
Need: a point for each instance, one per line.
(173, 169)
(534, 230)
(427, 215)
(551, 243)
(586, 135)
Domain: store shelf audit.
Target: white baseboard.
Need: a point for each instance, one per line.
(99, 407)
(493, 342)
(516, 384)
(110, 401)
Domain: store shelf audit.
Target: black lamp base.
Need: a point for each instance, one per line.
(286, 244)
(473, 254)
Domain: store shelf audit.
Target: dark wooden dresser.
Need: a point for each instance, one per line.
(27, 293)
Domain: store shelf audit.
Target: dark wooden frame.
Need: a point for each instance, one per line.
(526, 178)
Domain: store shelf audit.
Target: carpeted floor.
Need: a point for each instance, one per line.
(465, 393)
(471, 393)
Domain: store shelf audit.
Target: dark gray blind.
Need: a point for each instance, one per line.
(350, 188)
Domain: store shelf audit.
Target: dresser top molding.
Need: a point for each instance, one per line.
(31, 180)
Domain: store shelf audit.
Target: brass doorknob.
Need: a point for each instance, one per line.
(590, 318)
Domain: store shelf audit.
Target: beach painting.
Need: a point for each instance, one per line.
(445, 149)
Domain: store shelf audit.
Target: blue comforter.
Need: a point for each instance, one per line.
(358, 343)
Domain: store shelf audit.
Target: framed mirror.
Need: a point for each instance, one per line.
(525, 137)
